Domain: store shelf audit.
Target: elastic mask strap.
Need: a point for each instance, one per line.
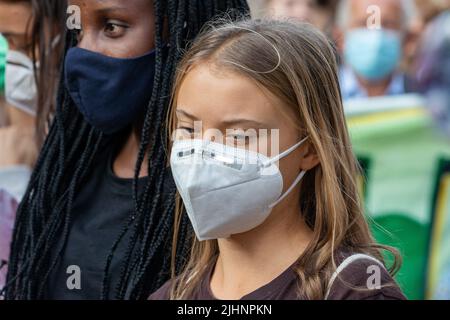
(294, 184)
(286, 153)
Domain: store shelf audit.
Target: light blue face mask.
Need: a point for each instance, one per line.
(373, 54)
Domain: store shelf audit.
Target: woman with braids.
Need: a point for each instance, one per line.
(279, 220)
(98, 216)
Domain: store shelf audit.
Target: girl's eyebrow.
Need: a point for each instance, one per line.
(241, 121)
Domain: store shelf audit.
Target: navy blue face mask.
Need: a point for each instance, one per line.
(110, 92)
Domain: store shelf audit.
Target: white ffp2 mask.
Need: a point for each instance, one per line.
(20, 82)
(227, 190)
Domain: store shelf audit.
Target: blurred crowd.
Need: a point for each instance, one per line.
(386, 48)
(384, 45)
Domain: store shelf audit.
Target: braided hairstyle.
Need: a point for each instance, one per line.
(72, 146)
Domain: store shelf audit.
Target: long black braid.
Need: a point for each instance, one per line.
(67, 156)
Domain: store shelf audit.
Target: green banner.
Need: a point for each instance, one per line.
(398, 140)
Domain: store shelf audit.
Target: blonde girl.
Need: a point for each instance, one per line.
(282, 222)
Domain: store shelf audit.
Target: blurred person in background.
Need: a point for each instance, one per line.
(299, 9)
(320, 13)
(325, 16)
(427, 11)
(8, 205)
(430, 9)
(433, 69)
(32, 29)
(18, 149)
(30, 50)
(373, 53)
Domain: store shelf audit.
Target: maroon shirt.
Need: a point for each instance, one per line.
(349, 284)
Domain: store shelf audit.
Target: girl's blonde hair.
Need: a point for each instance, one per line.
(299, 66)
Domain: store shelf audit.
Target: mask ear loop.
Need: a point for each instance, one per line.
(297, 180)
(285, 153)
(294, 184)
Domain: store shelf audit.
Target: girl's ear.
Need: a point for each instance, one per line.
(309, 158)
